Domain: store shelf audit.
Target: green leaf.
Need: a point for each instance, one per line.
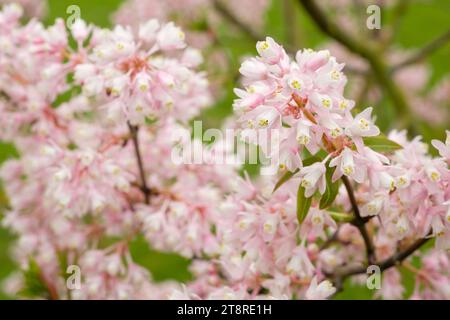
(313, 159)
(331, 190)
(33, 284)
(341, 216)
(289, 174)
(303, 204)
(162, 265)
(381, 144)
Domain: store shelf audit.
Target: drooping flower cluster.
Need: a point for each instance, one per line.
(301, 102)
(133, 76)
(196, 13)
(97, 125)
(202, 22)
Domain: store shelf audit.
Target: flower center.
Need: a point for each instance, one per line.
(363, 124)
(303, 139)
(336, 132)
(296, 84)
(264, 45)
(348, 170)
(263, 123)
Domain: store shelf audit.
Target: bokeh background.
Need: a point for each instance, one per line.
(410, 25)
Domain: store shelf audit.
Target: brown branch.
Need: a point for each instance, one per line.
(51, 289)
(424, 52)
(333, 238)
(360, 222)
(393, 260)
(134, 136)
(226, 13)
(291, 26)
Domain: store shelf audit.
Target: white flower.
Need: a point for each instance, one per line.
(362, 125)
(170, 37)
(269, 50)
(313, 178)
(320, 291)
(147, 31)
(253, 69)
(373, 207)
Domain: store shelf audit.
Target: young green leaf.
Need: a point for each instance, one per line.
(341, 216)
(381, 144)
(34, 287)
(331, 190)
(288, 175)
(303, 204)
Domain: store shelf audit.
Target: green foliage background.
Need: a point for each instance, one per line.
(423, 22)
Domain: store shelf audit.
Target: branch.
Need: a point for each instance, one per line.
(225, 12)
(134, 136)
(393, 260)
(52, 291)
(424, 52)
(291, 26)
(377, 64)
(359, 222)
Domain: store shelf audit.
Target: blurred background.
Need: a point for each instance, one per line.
(409, 88)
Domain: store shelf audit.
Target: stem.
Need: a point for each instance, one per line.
(397, 14)
(359, 222)
(225, 12)
(424, 52)
(134, 136)
(333, 238)
(52, 291)
(291, 25)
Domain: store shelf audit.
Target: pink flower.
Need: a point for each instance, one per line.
(348, 163)
(270, 51)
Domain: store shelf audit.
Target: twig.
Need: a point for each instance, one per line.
(225, 12)
(291, 25)
(359, 222)
(52, 291)
(424, 52)
(393, 260)
(134, 136)
(398, 12)
(334, 237)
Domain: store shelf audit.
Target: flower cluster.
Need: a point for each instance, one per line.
(73, 115)
(202, 22)
(133, 76)
(403, 186)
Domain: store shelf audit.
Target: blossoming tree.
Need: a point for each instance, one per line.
(94, 114)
